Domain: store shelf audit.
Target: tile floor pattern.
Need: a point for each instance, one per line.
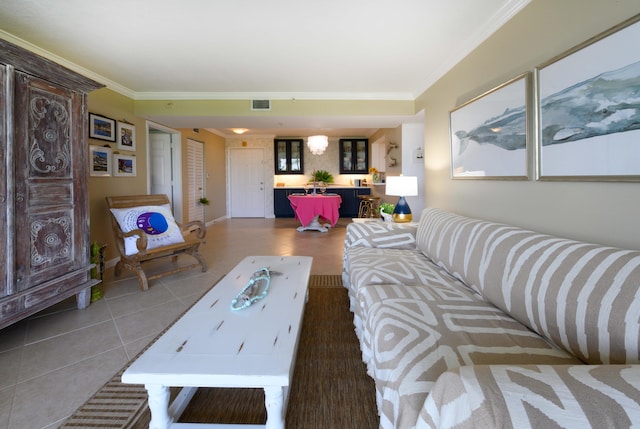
(52, 362)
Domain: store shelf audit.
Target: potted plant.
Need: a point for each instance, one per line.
(322, 176)
(386, 209)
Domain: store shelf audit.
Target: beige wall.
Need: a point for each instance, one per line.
(215, 170)
(389, 135)
(113, 105)
(602, 212)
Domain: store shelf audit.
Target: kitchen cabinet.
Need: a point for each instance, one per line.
(44, 227)
(348, 208)
(350, 201)
(354, 156)
(288, 155)
(281, 205)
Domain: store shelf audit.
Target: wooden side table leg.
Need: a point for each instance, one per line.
(159, 406)
(274, 402)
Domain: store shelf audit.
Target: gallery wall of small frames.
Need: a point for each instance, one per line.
(106, 160)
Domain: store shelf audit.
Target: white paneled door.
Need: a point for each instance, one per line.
(195, 180)
(246, 182)
(160, 160)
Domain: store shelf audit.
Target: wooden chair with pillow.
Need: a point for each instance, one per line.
(145, 230)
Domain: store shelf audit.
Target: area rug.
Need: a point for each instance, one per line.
(330, 387)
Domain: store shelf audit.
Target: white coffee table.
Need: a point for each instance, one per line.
(212, 346)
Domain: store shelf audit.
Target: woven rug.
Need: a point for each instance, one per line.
(330, 387)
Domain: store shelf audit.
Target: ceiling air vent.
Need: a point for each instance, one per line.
(260, 104)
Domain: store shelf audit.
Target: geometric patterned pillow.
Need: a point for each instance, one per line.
(156, 221)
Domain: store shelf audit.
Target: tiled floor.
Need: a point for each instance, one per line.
(51, 363)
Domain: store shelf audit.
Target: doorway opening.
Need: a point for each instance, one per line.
(164, 160)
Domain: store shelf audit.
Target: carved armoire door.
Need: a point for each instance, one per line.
(5, 287)
(51, 219)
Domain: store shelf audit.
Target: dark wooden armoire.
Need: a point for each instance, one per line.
(44, 211)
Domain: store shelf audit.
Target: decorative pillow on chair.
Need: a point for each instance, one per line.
(156, 221)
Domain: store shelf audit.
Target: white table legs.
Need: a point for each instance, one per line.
(315, 225)
(159, 406)
(162, 417)
(274, 402)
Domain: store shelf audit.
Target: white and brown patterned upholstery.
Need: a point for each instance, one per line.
(414, 334)
(533, 397)
(583, 297)
(475, 294)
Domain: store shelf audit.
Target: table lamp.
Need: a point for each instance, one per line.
(402, 186)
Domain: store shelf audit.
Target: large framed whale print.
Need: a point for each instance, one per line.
(489, 133)
(588, 109)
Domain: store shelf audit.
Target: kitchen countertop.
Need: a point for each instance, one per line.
(328, 186)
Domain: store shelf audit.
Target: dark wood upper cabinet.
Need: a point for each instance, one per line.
(354, 156)
(289, 156)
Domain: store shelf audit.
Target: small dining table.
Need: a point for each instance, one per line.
(310, 209)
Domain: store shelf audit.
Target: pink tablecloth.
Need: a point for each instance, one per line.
(309, 206)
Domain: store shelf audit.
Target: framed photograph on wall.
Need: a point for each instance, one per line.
(102, 128)
(126, 136)
(99, 161)
(489, 138)
(588, 109)
(124, 165)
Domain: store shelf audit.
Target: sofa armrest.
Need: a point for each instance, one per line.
(381, 234)
(533, 396)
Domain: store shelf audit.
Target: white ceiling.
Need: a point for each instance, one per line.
(252, 49)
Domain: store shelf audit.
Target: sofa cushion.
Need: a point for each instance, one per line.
(582, 297)
(412, 334)
(381, 235)
(365, 266)
(534, 396)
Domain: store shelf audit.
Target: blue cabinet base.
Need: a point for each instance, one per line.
(348, 208)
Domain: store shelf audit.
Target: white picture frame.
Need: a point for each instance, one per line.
(124, 165)
(586, 125)
(100, 161)
(489, 134)
(126, 137)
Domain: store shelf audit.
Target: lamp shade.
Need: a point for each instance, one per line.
(317, 144)
(402, 186)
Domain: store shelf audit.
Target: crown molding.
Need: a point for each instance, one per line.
(68, 64)
(504, 14)
(383, 96)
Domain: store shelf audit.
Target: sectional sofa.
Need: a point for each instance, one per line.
(467, 323)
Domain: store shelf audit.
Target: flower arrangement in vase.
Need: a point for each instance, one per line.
(375, 176)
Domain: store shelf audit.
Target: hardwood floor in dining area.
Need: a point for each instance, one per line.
(52, 362)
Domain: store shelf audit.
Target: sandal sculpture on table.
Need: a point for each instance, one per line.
(256, 288)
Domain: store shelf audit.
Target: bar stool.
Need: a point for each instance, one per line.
(368, 206)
